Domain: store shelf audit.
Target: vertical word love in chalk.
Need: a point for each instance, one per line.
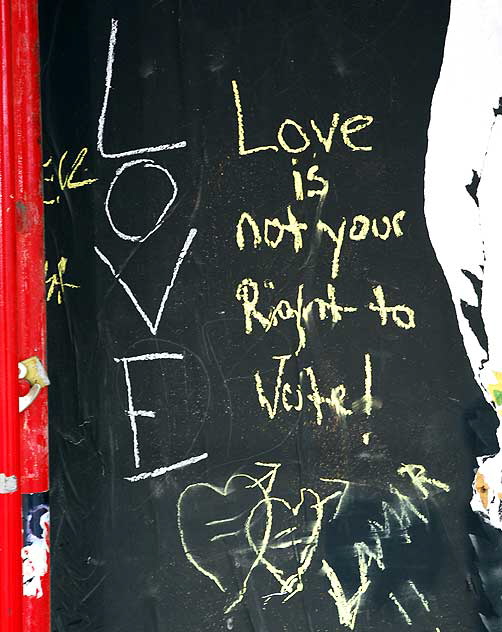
(136, 160)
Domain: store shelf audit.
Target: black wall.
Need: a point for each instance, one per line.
(118, 560)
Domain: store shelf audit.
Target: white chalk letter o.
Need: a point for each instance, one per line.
(147, 164)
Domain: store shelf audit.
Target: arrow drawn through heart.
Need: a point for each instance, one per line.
(262, 514)
(264, 485)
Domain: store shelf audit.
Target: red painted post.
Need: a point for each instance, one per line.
(31, 306)
(23, 437)
(30, 236)
(10, 499)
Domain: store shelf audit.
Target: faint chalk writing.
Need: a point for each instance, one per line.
(57, 284)
(65, 178)
(280, 537)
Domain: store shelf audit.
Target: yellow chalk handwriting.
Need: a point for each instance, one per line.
(308, 499)
(347, 130)
(297, 181)
(274, 229)
(282, 393)
(266, 539)
(402, 315)
(337, 239)
(403, 513)
(367, 554)
(240, 127)
(304, 547)
(406, 508)
(311, 176)
(352, 125)
(334, 400)
(248, 294)
(328, 140)
(417, 474)
(399, 606)
(348, 609)
(299, 130)
(65, 178)
(68, 182)
(420, 595)
(265, 491)
(56, 281)
(292, 584)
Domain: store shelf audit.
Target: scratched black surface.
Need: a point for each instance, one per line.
(118, 561)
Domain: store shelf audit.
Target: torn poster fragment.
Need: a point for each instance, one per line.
(463, 195)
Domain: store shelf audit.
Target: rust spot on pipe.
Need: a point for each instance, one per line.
(23, 222)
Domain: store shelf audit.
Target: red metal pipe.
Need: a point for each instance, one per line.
(31, 292)
(30, 236)
(23, 438)
(10, 502)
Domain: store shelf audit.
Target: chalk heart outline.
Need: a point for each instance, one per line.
(293, 584)
(224, 492)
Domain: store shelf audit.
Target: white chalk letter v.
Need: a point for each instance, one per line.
(152, 326)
